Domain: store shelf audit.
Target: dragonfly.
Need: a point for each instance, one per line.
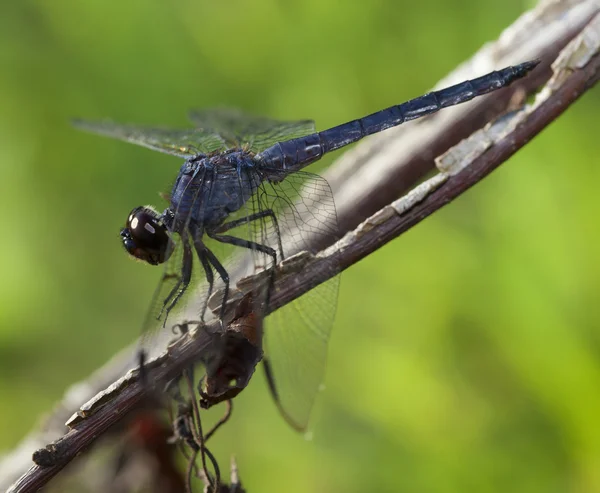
(242, 186)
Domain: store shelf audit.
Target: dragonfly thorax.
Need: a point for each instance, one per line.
(208, 189)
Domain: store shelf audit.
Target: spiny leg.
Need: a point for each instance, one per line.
(179, 289)
(210, 278)
(169, 297)
(251, 245)
(254, 217)
(214, 261)
(208, 258)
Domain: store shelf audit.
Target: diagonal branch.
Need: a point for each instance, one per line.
(391, 163)
(575, 71)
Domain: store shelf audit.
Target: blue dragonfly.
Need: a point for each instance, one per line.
(241, 185)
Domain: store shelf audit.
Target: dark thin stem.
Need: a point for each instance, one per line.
(197, 430)
(222, 421)
(217, 483)
(190, 468)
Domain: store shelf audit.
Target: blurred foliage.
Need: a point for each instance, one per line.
(471, 362)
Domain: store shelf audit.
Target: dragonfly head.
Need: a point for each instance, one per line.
(146, 237)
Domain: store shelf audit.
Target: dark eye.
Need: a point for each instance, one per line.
(146, 237)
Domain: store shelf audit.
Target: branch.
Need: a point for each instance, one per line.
(575, 71)
(389, 164)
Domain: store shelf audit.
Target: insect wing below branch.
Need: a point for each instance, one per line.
(296, 340)
(296, 335)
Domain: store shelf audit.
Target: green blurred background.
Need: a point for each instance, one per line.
(466, 354)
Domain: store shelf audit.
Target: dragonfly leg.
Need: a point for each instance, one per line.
(186, 276)
(254, 217)
(210, 277)
(251, 245)
(218, 266)
(172, 293)
(207, 259)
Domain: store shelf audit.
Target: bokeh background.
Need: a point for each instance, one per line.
(465, 355)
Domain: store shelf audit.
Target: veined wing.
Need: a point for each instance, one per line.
(238, 128)
(296, 335)
(153, 337)
(182, 143)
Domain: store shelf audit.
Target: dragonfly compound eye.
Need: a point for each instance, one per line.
(146, 237)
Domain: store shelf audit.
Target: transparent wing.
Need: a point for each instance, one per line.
(182, 143)
(153, 337)
(296, 335)
(296, 340)
(239, 128)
